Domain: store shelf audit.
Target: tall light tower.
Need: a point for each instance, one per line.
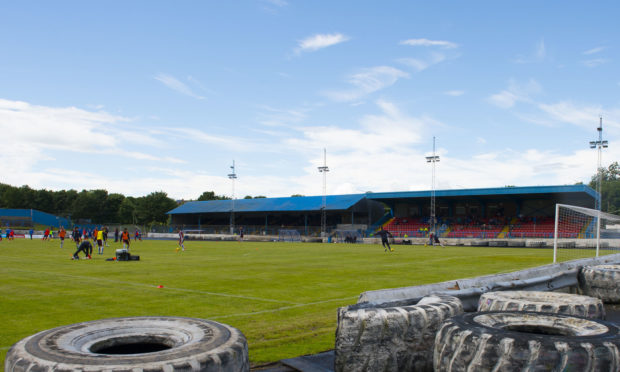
(433, 159)
(232, 176)
(324, 169)
(600, 145)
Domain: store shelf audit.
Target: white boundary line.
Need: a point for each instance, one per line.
(155, 286)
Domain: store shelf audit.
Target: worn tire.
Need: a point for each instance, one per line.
(392, 338)
(601, 281)
(133, 344)
(545, 302)
(526, 341)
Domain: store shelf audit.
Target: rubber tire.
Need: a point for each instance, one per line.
(545, 302)
(396, 338)
(484, 342)
(194, 345)
(601, 281)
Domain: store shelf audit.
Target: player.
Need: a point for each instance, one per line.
(46, 234)
(434, 239)
(181, 240)
(105, 236)
(76, 235)
(100, 241)
(125, 238)
(85, 247)
(384, 239)
(61, 234)
(241, 233)
(137, 235)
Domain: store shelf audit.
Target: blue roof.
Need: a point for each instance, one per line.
(289, 204)
(485, 192)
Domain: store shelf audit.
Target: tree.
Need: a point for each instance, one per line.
(610, 187)
(210, 195)
(153, 207)
(127, 210)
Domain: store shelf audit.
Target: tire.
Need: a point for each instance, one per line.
(391, 338)
(526, 341)
(600, 281)
(133, 344)
(545, 302)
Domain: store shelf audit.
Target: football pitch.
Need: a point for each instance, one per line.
(283, 296)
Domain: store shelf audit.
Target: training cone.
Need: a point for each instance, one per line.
(160, 286)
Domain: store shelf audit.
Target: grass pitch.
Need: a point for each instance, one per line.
(283, 296)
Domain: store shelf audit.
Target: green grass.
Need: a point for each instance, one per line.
(283, 296)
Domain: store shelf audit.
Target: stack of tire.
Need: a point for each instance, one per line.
(392, 337)
(536, 331)
(601, 281)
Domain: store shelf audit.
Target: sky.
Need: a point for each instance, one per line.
(142, 96)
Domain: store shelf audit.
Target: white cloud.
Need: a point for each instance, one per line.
(367, 81)
(515, 93)
(538, 55)
(430, 43)
(454, 93)
(594, 62)
(278, 3)
(275, 117)
(176, 85)
(420, 64)
(567, 112)
(594, 50)
(320, 41)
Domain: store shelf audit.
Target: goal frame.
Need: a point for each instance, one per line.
(594, 213)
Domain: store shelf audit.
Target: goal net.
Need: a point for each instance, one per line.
(349, 236)
(583, 232)
(289, 236)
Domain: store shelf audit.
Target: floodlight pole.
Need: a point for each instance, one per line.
(600, 145)
(232, 176)
(324, 169)
(433, 159)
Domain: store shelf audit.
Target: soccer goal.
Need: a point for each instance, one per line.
(289, 236)
(349, 236)
(583, 232)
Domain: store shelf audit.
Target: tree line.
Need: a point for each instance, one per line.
(610, 187)
(97, 206)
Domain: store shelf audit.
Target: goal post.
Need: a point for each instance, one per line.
(583, 232)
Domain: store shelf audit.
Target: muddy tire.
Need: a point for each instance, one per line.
(133, 344)
(601, 281)
(393, 338)
(526, 341)
(545, 302)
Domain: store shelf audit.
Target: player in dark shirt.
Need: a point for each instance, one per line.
(384, 239)
(85, 247)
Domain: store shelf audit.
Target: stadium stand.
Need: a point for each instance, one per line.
(28, 217)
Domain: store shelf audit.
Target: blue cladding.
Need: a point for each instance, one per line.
(486, 192)
(37, 217)
(290, 204)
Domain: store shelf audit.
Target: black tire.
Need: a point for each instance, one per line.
(545, 302)
(601, 281)
(391, 338)
(134, 343)
(526, 341)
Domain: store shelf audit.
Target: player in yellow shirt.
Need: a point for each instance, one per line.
(100, 241)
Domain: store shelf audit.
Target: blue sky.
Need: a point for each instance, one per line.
(142, 96)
